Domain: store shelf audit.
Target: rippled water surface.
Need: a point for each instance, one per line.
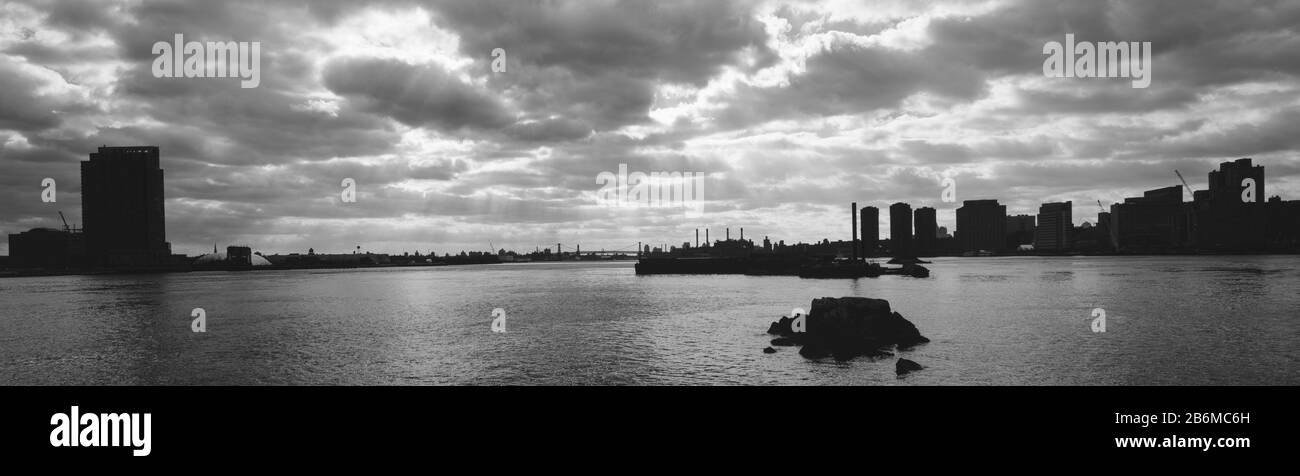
(1022, 321)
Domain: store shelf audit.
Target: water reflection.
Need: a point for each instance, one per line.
(1224, 320)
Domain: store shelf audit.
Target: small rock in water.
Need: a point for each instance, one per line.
(769, 350)
(904, 366)
(785, 341)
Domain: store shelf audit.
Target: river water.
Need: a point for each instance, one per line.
(1230, 320)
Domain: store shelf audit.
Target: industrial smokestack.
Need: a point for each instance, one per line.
(706, 237)
(728, 233)
(742, 233)
(854, 213)
(697, 237)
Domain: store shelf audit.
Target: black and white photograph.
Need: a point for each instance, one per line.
(907, 198)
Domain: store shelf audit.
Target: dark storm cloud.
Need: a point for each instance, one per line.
(550, 130)
(263, 127)
(1275, 133)
(76, 17)
(601, 102)
(55, 56)
(1009, 40)
(21, 108)
(1104, 98)
(417, 95)
(22, 172)
(675, 41)
(1218, 41)
(214, 120)
(231, 125)
(849, 78)
(1242, 43)
(1195, 44)
(929, 152)
(595, 65)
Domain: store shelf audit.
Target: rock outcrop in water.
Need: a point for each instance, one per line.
(848, 327)
(904, 366)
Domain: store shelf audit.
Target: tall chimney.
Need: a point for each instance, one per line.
(728, 233)
(854, 212)
(742, 233)
(706, 238)
(697, 237)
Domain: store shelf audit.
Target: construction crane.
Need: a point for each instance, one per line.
(1189, 216)
(65, 222)
(1110, 236)
(1188, 187)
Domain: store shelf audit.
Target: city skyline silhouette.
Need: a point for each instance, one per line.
(126, 228)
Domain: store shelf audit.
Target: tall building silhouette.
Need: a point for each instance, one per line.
(900, 229)
(927, 230)
(982, 225)
(1223, 218)
(1283, 228)
(47, 248)
(1150, 223)
(870, 224)
(1055, 224)
(122, 207)
(1020, 230)
(1021, 223)
(1226, 183)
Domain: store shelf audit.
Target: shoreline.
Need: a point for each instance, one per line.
(38, 272)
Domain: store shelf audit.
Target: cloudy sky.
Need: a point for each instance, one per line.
(791, 109)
